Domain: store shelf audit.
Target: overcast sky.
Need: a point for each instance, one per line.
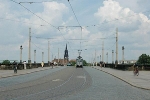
(98, 19)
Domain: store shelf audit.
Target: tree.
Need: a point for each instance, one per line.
(6, 62)
(144, 59)
(73, 63)
(84, 63)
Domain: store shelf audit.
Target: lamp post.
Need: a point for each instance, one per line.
(42, 56)
(112, 56)
(29, 58)
(100, 58)
(122, 54)
(107, 57)
(21, 54)
(34, 56)
(48, 53)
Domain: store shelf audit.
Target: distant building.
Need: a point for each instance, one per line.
(66, 56)
(127, 61)
(72, 60)
(59, 62)
(64, 61)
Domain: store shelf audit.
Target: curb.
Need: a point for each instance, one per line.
(123, 80)
(26, 73)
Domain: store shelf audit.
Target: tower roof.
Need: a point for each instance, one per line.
(66, 53)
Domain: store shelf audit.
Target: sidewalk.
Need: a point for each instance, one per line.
(142, 81)
(9, 73)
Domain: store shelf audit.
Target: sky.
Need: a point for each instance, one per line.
(81, 24)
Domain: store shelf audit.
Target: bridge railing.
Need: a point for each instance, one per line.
(128, 66)
(21, 66)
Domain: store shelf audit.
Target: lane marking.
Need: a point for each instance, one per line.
(81, 77)
(57, 80)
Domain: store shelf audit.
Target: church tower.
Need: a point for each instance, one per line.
(66, 56)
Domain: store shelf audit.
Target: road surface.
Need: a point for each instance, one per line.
(69, 83)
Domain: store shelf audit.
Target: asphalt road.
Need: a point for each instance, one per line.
(69, 83)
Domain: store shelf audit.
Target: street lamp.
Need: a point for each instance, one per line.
(100, 58)
(42, 56)
(21, 54)
(34, 56)
(107, 57)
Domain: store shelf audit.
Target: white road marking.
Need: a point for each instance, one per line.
(57, 80)
(80, 76)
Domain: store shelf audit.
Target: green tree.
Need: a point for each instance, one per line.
(73, 63)
(84, 63)
(144, 59)
(6, 62)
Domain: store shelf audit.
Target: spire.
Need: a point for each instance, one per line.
(66, 53)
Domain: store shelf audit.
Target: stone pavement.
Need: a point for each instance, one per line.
(142, 81)
(9, 73)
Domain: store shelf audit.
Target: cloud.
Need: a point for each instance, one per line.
(133, 28)
(51, 17)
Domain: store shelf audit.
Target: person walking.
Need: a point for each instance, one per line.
(135, 69)
(15, 66)
(42, 64)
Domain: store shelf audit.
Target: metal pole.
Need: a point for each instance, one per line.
(21, 54)
(48, 54)
(34, 56)
(112, 56)
(29, 58)
(100, 58)
(107, 57)
(116, 46)
(103, 51)
(58, 56)
(43, 56)
(123, 54)
(95, 59)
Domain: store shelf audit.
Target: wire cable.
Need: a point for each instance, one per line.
(74, 13)
(34, 13)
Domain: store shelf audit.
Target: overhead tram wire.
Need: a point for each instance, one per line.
(65, 39)
(36, 46)
(111, 46)
(76, 20)
(31, 2)
(116, 19)
(74, 13)
(34, 14)
(37, 15)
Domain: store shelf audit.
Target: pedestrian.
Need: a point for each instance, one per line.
(52, 65)
(42, 64)
(104, 64)
(142, 67)
(136, 71)
(15, 67)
